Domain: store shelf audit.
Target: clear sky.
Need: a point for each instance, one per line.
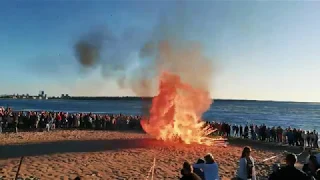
(265, 50)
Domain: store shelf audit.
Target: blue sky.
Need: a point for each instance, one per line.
(267, 50)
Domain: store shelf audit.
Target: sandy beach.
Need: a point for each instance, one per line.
(66, 154)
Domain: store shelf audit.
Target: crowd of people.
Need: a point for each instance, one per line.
(207, 168)
(13, 121)
(27, 121)
(291, 136)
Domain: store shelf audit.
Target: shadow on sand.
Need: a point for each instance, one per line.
(269, 146)
(71, 146)
(47, 148)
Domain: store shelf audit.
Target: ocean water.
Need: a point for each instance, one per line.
(299, 115)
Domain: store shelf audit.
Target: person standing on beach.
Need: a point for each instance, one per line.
(279, 134)
(290, 137)
(312, 139)
(1, 118)
(246, 169)
(15, 117)
(316, 145)
(246, 132)
(58, 120)
(304, 137)
(308, 138)
(237, 131)
(263, 132)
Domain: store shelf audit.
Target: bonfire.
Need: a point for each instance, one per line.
(175, 113)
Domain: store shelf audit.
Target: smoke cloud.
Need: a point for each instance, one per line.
(135, 62)
(87, 53)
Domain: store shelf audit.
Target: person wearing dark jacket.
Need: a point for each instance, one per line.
(313, 166)
(275, 169)
(289, 171)
(199, 171)
(318, 174)
(187, 172)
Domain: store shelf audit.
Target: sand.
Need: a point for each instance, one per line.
(65, 154)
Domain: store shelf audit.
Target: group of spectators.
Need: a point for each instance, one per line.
(291, 136)
(13, 121)
(207, 168)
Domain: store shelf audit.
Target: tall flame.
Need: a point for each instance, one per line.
(175, 113)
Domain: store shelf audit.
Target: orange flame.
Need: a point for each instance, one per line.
(176, 112)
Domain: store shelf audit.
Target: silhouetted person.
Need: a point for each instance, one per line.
(187, 172)
(318, 174)
(313, 166)
(210, 168)
(289, 171)
(275, 169)
(199, 171)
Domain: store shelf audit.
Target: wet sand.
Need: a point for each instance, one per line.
(65, 154)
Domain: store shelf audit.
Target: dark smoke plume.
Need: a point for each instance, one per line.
(87, 54)
(136, 61)
(88, 48)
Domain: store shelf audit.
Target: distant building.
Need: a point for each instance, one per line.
(41, 93)
(63, 96)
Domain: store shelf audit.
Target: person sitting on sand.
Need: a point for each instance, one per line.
(313, 166)
(305, 167)
(318, 174)
(318, 157)
(199, 171)
(210, 168)
(187, 172)
(275, 169)
(246, 166)
(290, 171)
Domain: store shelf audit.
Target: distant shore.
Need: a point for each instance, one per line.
(134, 98)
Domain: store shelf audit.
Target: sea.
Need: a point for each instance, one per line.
(305, 116)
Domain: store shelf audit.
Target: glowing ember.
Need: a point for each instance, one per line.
(176, 111)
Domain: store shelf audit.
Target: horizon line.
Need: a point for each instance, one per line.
(214, 99)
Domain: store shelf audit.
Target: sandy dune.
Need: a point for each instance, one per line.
(114, 155)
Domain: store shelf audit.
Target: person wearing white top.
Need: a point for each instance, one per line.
(304, 136)
(210, 168)
(246, 169)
